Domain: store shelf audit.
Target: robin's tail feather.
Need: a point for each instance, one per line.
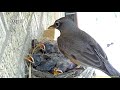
(111, 71)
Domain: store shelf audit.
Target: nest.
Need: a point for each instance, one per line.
(46, 61)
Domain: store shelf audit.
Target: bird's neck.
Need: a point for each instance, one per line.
(69, 32)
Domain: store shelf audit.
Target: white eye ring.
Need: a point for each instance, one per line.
(57, 24)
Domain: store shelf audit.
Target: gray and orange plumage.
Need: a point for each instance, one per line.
(81, 48)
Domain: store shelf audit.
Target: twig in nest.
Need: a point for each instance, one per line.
(29, 70)
(30, 59)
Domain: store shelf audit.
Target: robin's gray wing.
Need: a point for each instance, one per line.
(91, 44)
(87, 51)
(79, 50)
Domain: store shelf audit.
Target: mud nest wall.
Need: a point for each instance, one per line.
(17, 29)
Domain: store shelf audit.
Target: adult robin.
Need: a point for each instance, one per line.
(81, 48)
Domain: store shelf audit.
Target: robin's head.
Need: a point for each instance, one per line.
(63, 24)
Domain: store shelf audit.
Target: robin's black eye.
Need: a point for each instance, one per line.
(57, 24)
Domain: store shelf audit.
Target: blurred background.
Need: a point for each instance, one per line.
(104, 27)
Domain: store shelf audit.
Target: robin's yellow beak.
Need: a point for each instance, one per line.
(52, 27)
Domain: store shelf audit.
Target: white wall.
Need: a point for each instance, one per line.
(104, 27)
(17, 29)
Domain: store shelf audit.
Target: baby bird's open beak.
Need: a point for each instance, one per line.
(57, 71)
